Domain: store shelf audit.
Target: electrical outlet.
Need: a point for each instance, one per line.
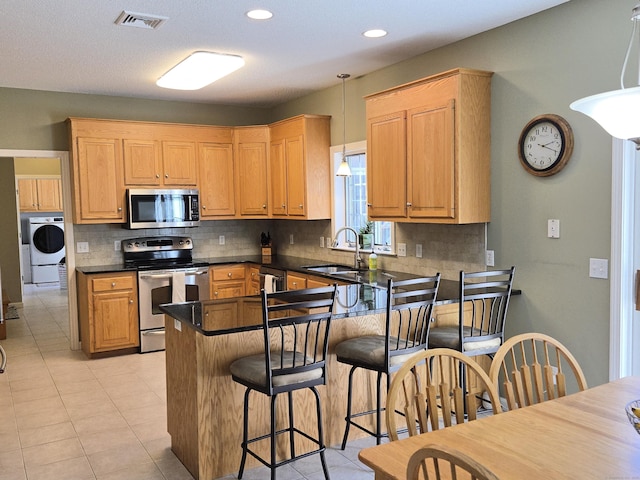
(321, 242)
(418, 250)
(117, 245)
(491, 258)
(221, 240)
(327, 242)
(402, 249)
(291, 239)
(82, 247)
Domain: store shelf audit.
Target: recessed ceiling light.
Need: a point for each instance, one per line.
(375, 33)
(199, 70)
(259, 14)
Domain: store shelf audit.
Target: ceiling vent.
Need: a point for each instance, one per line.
(140, 20)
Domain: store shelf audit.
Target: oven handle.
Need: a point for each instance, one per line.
(153, 332)
(170, 275)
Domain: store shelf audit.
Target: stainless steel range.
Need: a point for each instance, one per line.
(166, 274)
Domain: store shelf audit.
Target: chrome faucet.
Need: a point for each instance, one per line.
(356, 258)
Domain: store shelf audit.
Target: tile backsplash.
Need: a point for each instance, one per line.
(445, 248)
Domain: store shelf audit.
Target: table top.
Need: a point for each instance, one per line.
(585, 435)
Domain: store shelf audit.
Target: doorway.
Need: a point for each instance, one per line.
(63, 157)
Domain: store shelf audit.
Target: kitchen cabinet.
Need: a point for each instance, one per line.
(227, 281)
(300, 168)
(159, 163)
(253, 280)
(217, 194)
(296, 281)
(40, 194)
(428, 143)
(251, 149)
(97, 180)
(108, 312)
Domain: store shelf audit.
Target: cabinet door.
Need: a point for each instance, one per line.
(216, 180)
(114, 320)
(386, 166)
(296, 189)
(251, 161)
(179, 163)
(49, 194)
(142, 163)
(227, 289)
(278, 173)
(430, 161)
(100, 192)
(28, 194)
(253, 280)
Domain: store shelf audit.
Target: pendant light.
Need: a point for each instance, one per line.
(617, 111)
(344, 170)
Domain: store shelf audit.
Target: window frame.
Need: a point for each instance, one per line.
(338, 211)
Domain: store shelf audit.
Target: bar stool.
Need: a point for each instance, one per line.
(409, 309)
(296, 333)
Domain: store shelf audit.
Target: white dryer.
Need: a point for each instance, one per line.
(46, 236)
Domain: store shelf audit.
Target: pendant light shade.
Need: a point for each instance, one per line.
(617, 111)
(344, 170)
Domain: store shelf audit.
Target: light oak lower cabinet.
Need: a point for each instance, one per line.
(108, 311)
(227, 281)
(253, 279)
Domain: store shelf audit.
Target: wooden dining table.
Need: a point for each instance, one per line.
(586, 435)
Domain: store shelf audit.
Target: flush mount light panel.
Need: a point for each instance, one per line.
(199, 70)
(375, 33)
(259, 14)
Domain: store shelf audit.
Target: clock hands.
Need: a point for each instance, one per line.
(546, 145)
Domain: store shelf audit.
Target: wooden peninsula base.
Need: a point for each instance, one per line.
(204, 405)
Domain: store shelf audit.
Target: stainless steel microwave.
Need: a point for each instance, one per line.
(162, 208)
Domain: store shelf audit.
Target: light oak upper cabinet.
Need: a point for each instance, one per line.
(217, 197)
(179, 163)
(40, 194)
(97, 180)
(429, 150)
(300, 168)
(142, 163)
(251, 148)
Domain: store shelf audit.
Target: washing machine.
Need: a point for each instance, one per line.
(46, 235)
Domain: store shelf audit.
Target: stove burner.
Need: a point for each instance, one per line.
(152, 253)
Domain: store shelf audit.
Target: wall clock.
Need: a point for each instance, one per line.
(545, 145)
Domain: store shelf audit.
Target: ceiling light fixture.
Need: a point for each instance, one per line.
(617, 111)
(259, 14)
(199, 70)
(375, 33)
(344, 170)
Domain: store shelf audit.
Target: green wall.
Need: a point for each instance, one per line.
(541, 64)
(9, 241)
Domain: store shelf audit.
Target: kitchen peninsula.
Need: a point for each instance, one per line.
(203, 403)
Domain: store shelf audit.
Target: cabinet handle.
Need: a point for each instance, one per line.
(283, 205)
(369, 205)
(131, 301)
(215, 294)
(166, 175)
(204, 207)
(157, 175)
(408, 204)
(300, 206)
(229, 274)
(119, 209)
(113, 284)
(264, 205)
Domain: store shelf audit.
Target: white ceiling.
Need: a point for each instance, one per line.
(75, 46)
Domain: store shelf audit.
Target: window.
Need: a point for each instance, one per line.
(350, 201)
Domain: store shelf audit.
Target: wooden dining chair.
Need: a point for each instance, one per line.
(435, 389)
(440, 462)
(532, 367)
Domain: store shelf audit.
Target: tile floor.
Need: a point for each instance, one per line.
(63, 417)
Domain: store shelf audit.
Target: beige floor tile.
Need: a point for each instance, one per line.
(92, 409)
(30, 437)
(28, 407)
(136, 416)
(70, 469)
(84, 397)
(117, 459)
(144, 471)
(99, 423)
(24, 396)
(173, 469)
(52, 452)
(42, 418)
(108, 439)
(145, 398)
(150, 431)
(67, 386)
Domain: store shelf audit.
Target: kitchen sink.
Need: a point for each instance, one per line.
(330, 269)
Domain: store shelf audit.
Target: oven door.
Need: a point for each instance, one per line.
(155, 287)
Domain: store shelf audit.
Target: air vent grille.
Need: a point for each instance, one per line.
(140, 20)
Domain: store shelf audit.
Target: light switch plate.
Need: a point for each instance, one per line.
(402, 249)
(221, 240)
(82, 247)
(117, 245)
(598, 268)
(418, 250)
(553, 228)
(291, 239)
(321, 242)
(491, 258)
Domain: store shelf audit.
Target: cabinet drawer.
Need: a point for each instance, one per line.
(227, 289)
(230, 272)
(105, 284)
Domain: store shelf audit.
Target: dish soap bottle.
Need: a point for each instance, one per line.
(373, 261)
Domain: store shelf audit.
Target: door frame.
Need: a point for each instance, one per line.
(622, 287)
(65, 174)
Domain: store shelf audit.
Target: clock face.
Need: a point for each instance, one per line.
(545, 145)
